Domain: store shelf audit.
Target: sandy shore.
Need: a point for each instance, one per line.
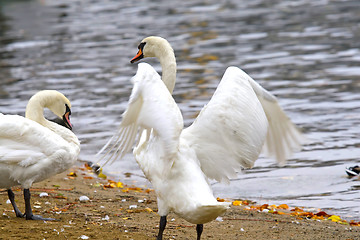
(114, 211)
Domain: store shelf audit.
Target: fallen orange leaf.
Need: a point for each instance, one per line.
(236, 203)
(296, 209)
(72, 174)
(283, 206)
(148, 209)
(353, 223)
(137, 189)
(279, 212)
(264, 206)
(110, 185)
(148, 190)
(322, 214)
(87, 166)
(318, 217)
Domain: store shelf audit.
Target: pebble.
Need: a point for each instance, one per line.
(84, 199)
(43, 194)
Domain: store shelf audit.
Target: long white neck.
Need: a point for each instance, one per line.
(35, 110)
(168, 65)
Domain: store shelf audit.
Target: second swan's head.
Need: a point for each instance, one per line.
(152, 46)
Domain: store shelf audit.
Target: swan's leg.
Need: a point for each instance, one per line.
(12, 200)
(161, 227)
(28, 212)
(199, 230)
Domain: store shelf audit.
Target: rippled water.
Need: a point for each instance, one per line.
(305, 52)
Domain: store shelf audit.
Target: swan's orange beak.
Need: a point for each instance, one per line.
(66, 117)
(138, 56)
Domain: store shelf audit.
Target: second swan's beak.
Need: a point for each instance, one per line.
(138, 56)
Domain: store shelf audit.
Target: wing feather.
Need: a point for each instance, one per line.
(283, 137)
(231, 129)
(24, 142)
(151, 106)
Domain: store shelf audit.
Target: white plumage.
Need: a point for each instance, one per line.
(33, 149)
(228, 135)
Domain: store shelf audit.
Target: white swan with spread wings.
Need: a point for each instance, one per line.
(229, 134)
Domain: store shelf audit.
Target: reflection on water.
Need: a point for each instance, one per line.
(305, 52)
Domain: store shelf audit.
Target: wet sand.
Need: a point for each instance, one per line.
(115, 211)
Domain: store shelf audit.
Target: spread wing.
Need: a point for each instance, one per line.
(283, 137)
(231, 129)
(151, 106)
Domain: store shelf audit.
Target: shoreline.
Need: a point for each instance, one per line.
(118, 211)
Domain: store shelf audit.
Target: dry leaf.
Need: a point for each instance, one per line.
(72, 174)
(237, 203)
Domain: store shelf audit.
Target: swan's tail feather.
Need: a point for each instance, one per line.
(206, 213)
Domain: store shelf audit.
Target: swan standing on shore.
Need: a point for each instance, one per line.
(33, 149)
(228, 135)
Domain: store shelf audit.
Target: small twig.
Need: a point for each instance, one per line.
(4, 191)
(50, 189)
(256, 220)
(180, 225)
